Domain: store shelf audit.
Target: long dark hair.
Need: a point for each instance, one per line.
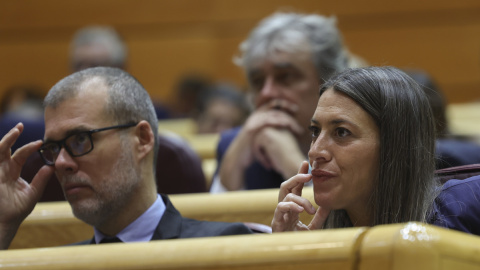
(404, 187)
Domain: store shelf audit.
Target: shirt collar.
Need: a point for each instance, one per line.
(143, 228)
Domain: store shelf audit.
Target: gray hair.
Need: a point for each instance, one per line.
(103, 35)
(405, 186)
(287, 32)
(128, 101)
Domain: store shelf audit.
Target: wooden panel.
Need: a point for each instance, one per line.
(170, 37)
(450, 54)
(152, 11)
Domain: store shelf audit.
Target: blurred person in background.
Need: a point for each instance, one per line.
(223, 107)
(94, 46)
(285, 59)
(450, 149)
(103, 46)
(23, 103)
(190, 90)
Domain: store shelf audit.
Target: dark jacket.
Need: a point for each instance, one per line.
(458, 206)
(173, 226)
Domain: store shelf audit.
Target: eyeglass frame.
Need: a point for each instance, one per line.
(62, 143)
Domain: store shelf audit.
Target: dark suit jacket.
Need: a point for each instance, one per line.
(256, 176)
(173, 225)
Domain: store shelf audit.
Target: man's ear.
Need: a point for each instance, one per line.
(145, 139)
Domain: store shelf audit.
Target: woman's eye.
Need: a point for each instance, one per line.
(342, 132)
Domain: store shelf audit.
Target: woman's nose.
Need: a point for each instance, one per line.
(320, 150)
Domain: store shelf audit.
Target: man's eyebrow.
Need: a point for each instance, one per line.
(282, 65)
(285, 65)
(69, 133)
(253, 72)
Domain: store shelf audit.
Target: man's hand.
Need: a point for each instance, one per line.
(278, 149)
(17, 197)
(260, 120)
(240, 154)
(291, 204)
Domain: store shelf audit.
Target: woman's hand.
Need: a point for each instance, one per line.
(291, 204)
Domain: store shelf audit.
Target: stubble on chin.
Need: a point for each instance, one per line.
(83, 208)
(110, 195)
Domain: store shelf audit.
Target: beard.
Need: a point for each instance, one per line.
(111, 193)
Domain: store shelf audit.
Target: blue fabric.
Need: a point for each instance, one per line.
(143, 228)
(458, 206)
(256, 176)
(162, 111)
(33, 129)
(454, 152)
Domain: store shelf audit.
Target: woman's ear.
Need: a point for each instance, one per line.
(145, 139)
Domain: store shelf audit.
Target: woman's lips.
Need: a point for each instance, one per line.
(321, 175)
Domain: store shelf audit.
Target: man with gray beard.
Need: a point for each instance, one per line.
(101, 141)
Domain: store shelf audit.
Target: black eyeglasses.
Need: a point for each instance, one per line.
(77, 144)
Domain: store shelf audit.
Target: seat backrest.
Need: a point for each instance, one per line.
(458, 172)
(179, 168)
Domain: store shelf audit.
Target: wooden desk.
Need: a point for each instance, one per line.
(183, 127)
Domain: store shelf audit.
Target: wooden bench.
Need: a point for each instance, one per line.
(399, 246)
(418, 246)
(311, 250)
(464, 119)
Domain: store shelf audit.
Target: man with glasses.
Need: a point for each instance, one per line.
(101, 141)
(285, 58)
